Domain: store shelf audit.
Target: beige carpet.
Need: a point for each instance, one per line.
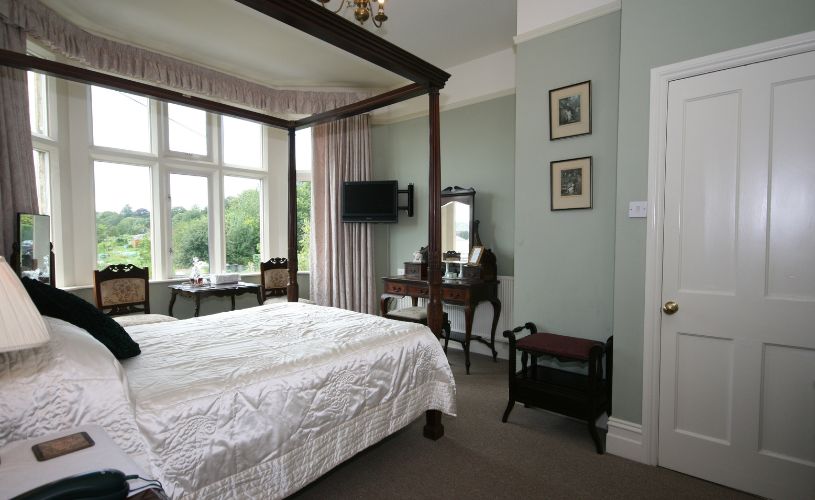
(536, 454)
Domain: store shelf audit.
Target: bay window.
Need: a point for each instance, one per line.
(167, 186)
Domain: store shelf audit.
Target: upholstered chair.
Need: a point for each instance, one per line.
(274, 280)
(123, 291)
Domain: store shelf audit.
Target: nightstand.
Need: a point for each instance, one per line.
(20, 471)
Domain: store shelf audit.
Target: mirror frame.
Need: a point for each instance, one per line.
(466, 196)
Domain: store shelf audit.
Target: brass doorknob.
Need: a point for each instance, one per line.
(670, 307)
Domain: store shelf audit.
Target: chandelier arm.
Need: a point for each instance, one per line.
(324, 2)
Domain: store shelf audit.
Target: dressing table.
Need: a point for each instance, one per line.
(459, 234)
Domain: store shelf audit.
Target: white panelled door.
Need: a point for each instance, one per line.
(737, 376)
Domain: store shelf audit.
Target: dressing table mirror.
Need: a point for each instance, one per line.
(33, 255)
(457, 221)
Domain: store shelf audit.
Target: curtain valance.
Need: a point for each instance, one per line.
(65, 38)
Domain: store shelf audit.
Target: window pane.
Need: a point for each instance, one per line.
(243, 144)
(187, 128)
(123, 204)
(242, 223)
(120, 120)
(302, 142)
(43, 177)
(37, 103)
(303, 224)
(190, 223)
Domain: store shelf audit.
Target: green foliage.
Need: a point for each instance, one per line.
(123, 238)
(190, 236)
(242, 222)
(303, 224)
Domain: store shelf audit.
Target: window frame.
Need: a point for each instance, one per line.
(246, 174)
(166, 152)
(264, 148)
(151, 166)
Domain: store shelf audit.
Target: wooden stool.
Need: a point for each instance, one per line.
(577, 395)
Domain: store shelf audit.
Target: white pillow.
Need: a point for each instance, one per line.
(72, 380)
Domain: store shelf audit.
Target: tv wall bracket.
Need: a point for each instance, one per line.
(409, 206)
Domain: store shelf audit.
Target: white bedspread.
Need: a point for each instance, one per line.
(259, 402)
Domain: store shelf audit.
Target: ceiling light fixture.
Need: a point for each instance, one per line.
(363, 10)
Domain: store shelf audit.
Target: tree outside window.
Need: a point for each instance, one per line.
(242, 224)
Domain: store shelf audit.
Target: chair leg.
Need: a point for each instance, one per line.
(599, 443)
(510, 405)
(467, 357)
(447, 331)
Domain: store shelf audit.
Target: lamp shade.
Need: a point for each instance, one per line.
(21, 325)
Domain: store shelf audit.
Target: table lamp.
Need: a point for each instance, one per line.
(21, 325)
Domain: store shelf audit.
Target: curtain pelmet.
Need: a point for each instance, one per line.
(65, 38)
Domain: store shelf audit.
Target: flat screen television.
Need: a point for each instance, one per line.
(370, 201)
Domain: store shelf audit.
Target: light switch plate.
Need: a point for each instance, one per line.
(638, 209)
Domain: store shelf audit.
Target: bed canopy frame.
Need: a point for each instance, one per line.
(313, 19)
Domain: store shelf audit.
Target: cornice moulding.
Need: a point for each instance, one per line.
(569, 22)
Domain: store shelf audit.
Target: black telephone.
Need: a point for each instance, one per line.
(108, 484)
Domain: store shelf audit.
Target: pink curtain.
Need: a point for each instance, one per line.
(18, 183)
(342, 256)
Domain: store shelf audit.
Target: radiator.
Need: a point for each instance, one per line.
(482, 319)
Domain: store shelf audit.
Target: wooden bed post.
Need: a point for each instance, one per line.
(293, 289)
(434, 312)
(433, 428)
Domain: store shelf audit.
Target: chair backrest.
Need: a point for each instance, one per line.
(121, 289)
(274, 277)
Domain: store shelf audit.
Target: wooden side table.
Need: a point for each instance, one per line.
(230, 290)
(21, 472)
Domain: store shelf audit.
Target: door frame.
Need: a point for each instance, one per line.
(661, 78)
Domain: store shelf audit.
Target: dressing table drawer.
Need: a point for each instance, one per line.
(419, 291)
(395, 288)
(453, 294)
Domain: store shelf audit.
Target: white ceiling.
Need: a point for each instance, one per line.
(227, 36)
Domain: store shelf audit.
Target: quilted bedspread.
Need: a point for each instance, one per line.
(259, 402)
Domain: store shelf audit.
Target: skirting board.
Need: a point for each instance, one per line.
(624, 439)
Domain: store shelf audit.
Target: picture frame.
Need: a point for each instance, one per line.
(570, 111)
(570, 183)
(475, 256)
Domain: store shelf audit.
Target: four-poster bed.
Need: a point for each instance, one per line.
(321, 23)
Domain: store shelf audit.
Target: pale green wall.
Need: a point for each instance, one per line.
(477, 150)
(565, 259)
(656, 33)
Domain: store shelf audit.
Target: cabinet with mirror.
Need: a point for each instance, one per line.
(33, 255)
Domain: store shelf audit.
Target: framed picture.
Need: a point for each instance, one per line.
(571, 183)
(475, 256)
(570, 111)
